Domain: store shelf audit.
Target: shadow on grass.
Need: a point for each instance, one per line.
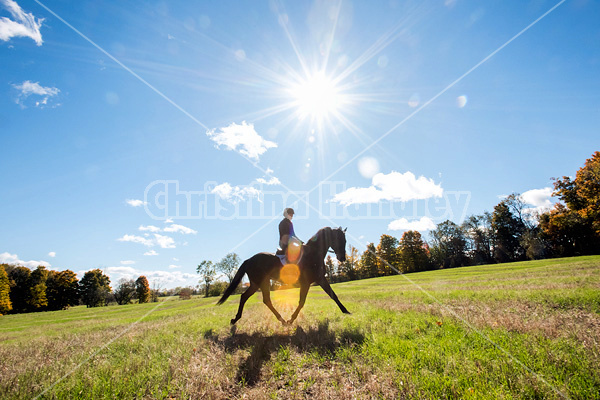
(320, 339)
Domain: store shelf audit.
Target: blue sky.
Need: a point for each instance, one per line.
(116, 117)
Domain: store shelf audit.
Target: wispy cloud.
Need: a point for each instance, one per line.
(273, 181)
(52, 254)
(173, 266)
(7, 258)
(151, 253)
(235, 193)
(150, 228)
(394, 186)
(136, 239)
(161, 277)
(28, 89)
(173, 228)
(135, 203)
(402, 224)
(241, 138)
(22, 25)
(127, 262)
(180, 228)
(165, 242)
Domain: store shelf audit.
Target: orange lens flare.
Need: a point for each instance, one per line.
(293, 251)
(290, 273)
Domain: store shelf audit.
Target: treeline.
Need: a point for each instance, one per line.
(512, 232)
(23, 290)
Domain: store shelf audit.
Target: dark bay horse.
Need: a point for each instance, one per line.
(263, 267)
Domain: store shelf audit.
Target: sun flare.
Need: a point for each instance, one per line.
(317, 96)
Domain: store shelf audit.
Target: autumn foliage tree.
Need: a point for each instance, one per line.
(573, 226)
(142, 289)
(387, 255)
(5, 303)
(413, 255)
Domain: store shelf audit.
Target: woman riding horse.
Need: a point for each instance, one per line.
(263, 267)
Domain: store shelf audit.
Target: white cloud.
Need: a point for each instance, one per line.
(52, 254)
(173, 266)
(402, 224)
(165, 242)
(127, 262)
(135, 203)
(29, 88)
(150, 228)
(241, 138)
(151, 253)
(180, 228)
(175, 259)
(273, 181)
(235, 193)
(539, 199)
(394, 186)
(22, 25)
(137, 239)
(168, 221)
(125, 272)
(7, 258)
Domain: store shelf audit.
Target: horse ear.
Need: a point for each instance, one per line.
(345, 229)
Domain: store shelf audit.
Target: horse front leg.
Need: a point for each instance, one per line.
(325, 285)
(265, 289)
(303, 292)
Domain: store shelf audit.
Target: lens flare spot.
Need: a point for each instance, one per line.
(290, 273)
(461, 101)
(414, 100)
(293, 250)
(368, 167)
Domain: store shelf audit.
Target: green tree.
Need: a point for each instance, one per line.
(330, 269)
(387, 255)
(478, 232)
(349, 268)
(62, 289)
(94, 288)
(413, 254)
(229, 265)
(369, 262)
(508, 230)
(5, 303)
(18, 277)
(448, 246)
(125, 291)
(207, 272)
(142, 289)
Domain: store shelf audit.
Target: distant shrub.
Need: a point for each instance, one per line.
(185, 294)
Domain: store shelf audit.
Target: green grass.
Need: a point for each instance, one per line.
(521, 330)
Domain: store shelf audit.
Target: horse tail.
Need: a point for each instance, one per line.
(234, 283)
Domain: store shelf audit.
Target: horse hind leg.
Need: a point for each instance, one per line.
(245, 296)
(266, 294)
(303, 292)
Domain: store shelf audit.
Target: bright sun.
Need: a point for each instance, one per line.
(317, 96)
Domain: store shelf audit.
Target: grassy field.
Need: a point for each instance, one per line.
(522, 330)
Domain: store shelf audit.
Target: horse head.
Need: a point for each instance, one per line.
(338, 243)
